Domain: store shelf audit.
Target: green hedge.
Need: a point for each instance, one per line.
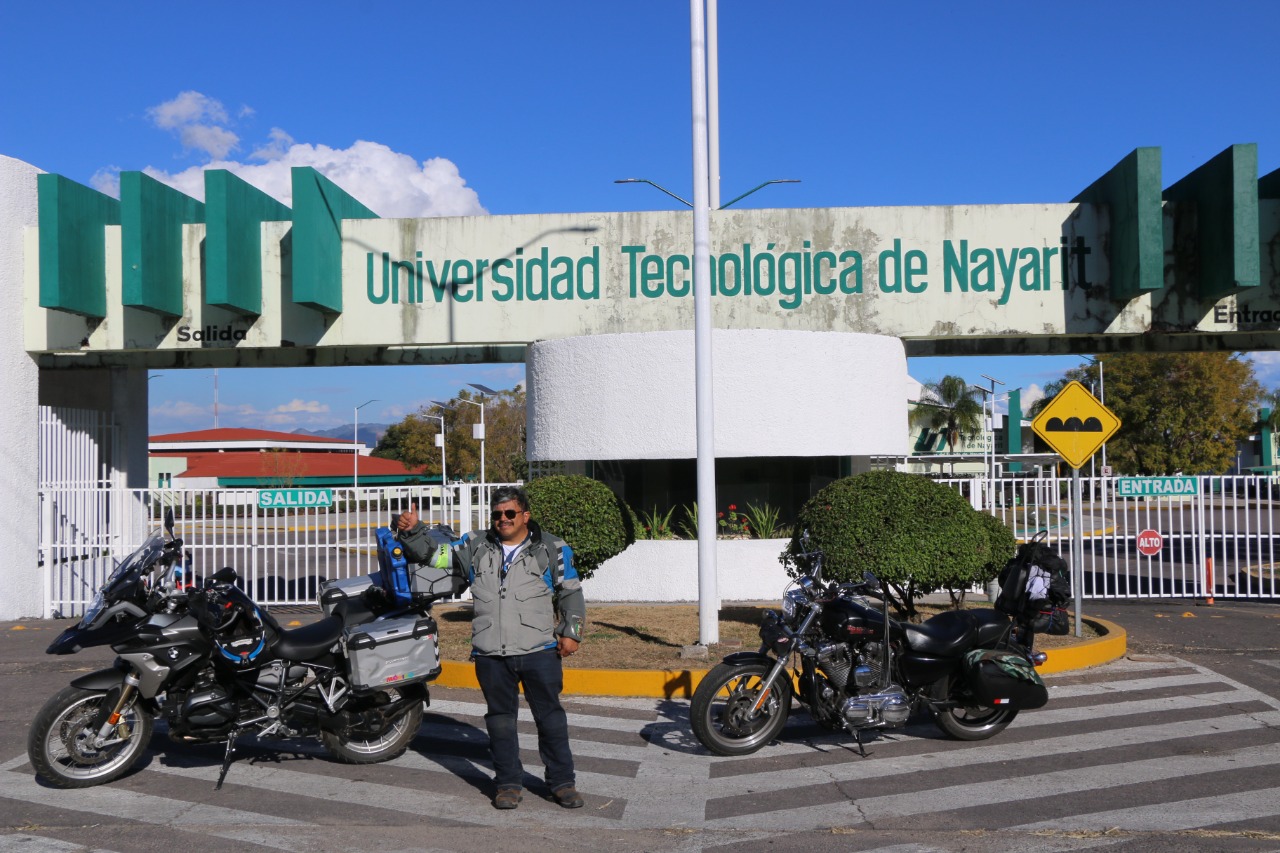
(586, 514)
(912, 533)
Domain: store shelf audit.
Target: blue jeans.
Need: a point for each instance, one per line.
(542, 678)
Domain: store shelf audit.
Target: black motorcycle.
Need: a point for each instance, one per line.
(206, 660)
(860, 670)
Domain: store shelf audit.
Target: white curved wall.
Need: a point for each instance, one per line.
(667, 570)
(19, 572)
(777, 393)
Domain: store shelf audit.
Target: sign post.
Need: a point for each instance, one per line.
(1075, 425)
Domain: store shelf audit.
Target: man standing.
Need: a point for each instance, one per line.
(521, 577)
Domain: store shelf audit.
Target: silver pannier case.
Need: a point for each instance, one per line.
(389, 652)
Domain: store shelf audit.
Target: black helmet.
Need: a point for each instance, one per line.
(236, 626)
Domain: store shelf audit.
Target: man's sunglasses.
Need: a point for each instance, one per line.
(509, 513)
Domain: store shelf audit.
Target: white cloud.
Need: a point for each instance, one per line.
(180, 410)
(107, 180)
(296, 406)
(276, 148)
(214, 141)
(198, 120)
(187, 108)
(390, 183)
(400, 411)
(1266, 368)
(1030, 395)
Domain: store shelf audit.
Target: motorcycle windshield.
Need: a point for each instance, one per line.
(132, 565)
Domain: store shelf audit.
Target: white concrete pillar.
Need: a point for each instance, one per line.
(21, 588)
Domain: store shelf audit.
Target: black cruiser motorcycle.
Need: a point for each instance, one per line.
(859, 670)
(213, 666)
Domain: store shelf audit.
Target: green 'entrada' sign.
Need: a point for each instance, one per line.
(294, 498)
(1157, 487)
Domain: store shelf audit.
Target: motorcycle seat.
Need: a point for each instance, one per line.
(310, 641)
(947, 635)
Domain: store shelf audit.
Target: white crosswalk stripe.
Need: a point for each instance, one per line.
(1113, 723)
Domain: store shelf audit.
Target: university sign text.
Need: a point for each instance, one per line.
(749, 270)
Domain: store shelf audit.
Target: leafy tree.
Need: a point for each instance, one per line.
(916, 535)
(950, 407)
(412, 440)
(1179, 412)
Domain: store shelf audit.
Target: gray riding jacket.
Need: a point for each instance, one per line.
(516, 611)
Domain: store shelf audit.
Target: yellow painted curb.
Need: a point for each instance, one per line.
(664, 684)
(1089, 653)
(680, 683)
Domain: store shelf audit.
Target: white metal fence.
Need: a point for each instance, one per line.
(1222, 541)
(281, 552)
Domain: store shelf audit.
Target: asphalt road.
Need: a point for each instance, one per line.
(1175, 749)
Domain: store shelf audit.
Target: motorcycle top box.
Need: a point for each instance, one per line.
(346, 591)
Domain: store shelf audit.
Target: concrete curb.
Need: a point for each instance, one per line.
(680, 683)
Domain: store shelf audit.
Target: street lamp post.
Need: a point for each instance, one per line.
(661, 188)
(1102, 394)
(355, 436)
(990, 394)
(705, 187)
(440, 443)
(487, 392)
(477, 430)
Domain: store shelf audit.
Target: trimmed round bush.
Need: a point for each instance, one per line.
(1003, 546)
(908, 530)
(586, 514)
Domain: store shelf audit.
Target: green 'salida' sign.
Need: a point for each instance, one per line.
(294, 498)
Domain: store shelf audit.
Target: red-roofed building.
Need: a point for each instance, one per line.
(242, 458)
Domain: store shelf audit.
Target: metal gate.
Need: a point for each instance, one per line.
(83, 517)
(1155, 537)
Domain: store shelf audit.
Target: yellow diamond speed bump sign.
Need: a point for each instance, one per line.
(1075, 424)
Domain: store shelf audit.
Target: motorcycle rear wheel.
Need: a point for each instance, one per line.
(967, 720)
(721, 704)
(60, 746)
(393, 741)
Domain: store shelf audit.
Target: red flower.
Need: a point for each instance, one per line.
(732, 507)
(719, 515)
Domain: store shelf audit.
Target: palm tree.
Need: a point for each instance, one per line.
(1272, 401)
(949, 406)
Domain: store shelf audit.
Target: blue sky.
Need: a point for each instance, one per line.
(425, 108)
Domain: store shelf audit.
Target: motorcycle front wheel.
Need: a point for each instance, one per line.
(968, 720)
(721, 709)
(61, 745)
(386, 745)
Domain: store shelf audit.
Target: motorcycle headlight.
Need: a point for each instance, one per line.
(792, 603)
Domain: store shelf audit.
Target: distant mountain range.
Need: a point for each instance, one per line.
(369, 433)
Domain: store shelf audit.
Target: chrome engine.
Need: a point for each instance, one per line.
(889, 705)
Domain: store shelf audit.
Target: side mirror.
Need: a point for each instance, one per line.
(226, 574)
(168, 521)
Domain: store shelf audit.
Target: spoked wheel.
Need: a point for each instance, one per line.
(384, 746)
(62, 749)
(722, 708)
(968, 720)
